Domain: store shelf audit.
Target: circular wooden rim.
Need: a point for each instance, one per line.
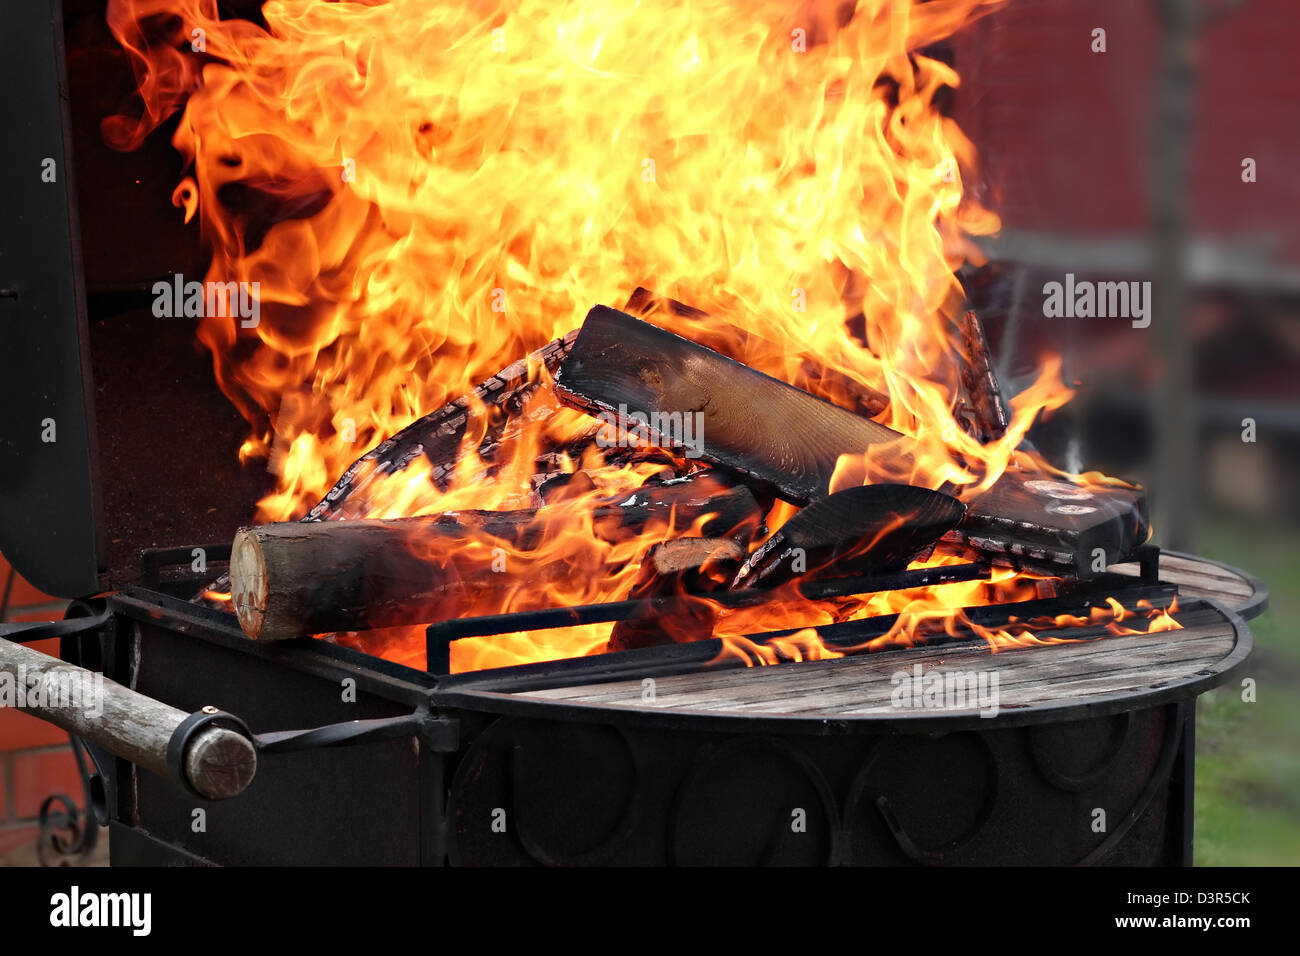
(1249, 608)
(1207, 676)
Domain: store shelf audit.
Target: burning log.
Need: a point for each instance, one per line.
(298, 578)
(649, 380)
(864, 530)
(987, 407)
(438, 435)
(1053, 526)
(566, 486)
(722, 410)
(864, 399)
(682, 566)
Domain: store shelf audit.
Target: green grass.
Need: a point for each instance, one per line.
(1247, 754)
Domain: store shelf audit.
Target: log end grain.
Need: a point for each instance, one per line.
(220, 763)
(248, 583)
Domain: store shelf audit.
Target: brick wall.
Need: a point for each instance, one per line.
(35, 757)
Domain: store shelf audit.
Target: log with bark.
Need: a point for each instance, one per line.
(438, 437)
(297, 578)
(782, 438)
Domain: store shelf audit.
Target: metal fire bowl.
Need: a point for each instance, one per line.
(1089, 758)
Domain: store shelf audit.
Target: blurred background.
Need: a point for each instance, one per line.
(1162, 149)
(1119, 140)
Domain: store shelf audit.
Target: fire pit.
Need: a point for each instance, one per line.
(645, 757)
(706, 581)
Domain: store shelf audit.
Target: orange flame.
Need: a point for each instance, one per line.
(424, 191)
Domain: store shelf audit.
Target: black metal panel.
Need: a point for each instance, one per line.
(1098, 791)
(47, 488)
(131, 847)
(555, 786)
(341, 806)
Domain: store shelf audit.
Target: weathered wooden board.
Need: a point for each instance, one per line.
(812, 692)
(1201, 578)
(864, 685)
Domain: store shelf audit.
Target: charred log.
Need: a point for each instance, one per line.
(655, 383)
(781, 438)
(852, 394)
(871, 529)
(989, 419)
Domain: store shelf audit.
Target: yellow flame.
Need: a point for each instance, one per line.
(425, 191)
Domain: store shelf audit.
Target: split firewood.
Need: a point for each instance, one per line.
(691, 397)
(439, 434)
(854, 395)
(988, 410)
(871, 529)
(296, 578)
(682, 566)
(782, 438)
(1053, 526)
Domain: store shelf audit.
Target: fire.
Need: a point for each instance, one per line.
(425, 191)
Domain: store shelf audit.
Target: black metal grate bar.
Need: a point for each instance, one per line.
(439, 636)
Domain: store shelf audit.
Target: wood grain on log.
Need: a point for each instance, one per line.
(742, 419)
(847, 391)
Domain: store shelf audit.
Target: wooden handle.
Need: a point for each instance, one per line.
(218, 763)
